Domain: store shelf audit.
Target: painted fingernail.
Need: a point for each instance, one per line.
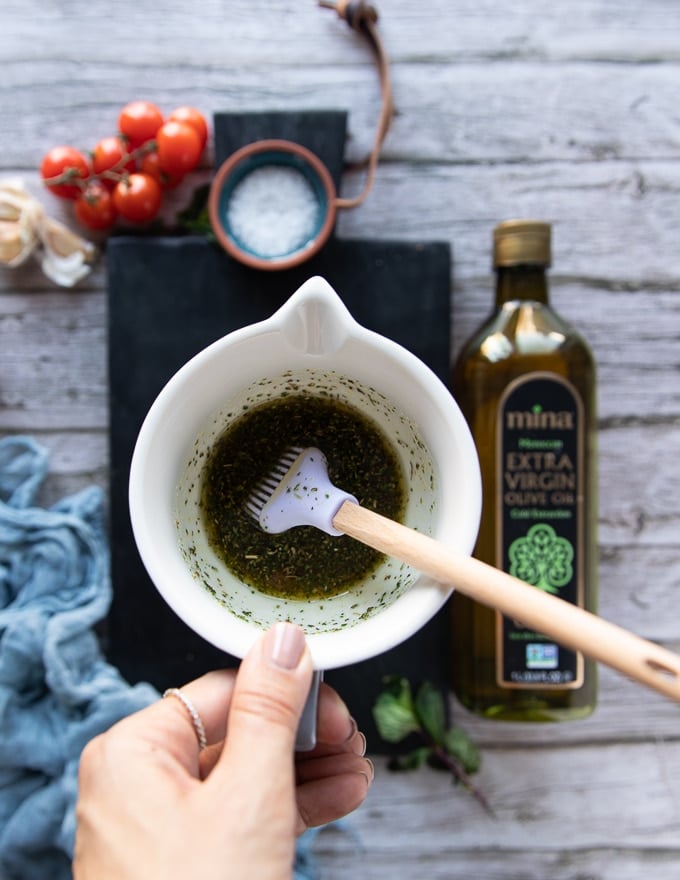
(285, 645)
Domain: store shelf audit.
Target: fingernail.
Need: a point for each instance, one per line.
(285, 645)
(359, 744)
(369, 773)
(353, 729)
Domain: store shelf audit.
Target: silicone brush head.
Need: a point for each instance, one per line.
(297, 492)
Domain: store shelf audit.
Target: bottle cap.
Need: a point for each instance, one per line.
(521, 242)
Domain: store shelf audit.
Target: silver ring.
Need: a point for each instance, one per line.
(193, 714)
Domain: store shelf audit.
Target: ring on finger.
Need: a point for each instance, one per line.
(199, 728)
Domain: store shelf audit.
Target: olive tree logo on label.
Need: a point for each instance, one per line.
(542, 558)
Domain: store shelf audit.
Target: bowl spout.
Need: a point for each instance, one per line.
(314, 320)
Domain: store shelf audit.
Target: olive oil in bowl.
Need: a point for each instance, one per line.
(303, 562)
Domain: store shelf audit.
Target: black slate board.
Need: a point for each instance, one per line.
(321, 131)
(170, 297)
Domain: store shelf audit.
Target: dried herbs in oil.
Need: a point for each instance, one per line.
(302, 563)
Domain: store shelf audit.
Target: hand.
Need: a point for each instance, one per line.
(151, 806)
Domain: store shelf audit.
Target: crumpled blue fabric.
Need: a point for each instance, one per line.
(56, 689)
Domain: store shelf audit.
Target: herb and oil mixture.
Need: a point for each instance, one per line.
(304, 562)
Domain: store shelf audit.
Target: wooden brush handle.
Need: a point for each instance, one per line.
(568, 624)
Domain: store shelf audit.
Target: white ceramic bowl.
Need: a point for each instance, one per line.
(311, 341)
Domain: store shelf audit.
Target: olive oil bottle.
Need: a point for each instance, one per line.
(526, 384)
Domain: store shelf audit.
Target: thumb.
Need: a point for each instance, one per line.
(268, 698)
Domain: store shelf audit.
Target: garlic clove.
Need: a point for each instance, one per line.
(65, 270)
(26, 229)
(16, 244)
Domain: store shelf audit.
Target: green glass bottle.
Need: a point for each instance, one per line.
(526, 384)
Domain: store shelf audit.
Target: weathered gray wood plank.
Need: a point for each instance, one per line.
(279, 32)
(560, 813)
(461, 113)
(614, 221)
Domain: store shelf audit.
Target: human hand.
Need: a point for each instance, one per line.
(152, 806)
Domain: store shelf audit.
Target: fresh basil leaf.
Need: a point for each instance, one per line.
(459, 745)
(394, 721)
(431, 712)
(399, 688)
(394, 712)
(397, 715)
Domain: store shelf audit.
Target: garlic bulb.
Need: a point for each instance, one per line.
(25, 230)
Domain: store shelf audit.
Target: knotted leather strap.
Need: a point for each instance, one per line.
(362, 17)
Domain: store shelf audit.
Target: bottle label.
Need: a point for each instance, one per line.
(540, 461)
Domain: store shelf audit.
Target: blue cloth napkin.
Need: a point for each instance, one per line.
(56, 689)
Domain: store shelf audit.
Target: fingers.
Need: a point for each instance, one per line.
(250, 721)
(337, 733)
(335, 725)
(211, 697)
(325, 799)
(332, 783)
(334, 765)
(166, 725)
(267, 701)
(261, 709)
(334, 778)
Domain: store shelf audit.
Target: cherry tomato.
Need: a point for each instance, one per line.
(64, 162)
(194, 118)
(179, 147)
(108, 154)
(138, 197)
(150, 164)
(139, 121)
(94, 207)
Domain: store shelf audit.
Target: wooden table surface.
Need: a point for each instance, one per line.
(563, 111)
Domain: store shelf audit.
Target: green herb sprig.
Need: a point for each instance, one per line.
(194, 217)
(398, 714)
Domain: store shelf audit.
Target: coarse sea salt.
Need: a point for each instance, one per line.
(273, 211)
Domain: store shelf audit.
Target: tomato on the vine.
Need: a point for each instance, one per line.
(94, 207)
(66, 163)
(138, 197)
(108, 154)
(139, 121)
(150, 164)
(194, 118)
(179, 147)
(126, 172)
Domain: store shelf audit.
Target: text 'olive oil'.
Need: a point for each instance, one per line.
(526, 384)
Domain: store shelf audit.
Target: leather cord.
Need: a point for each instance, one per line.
(363, 18)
